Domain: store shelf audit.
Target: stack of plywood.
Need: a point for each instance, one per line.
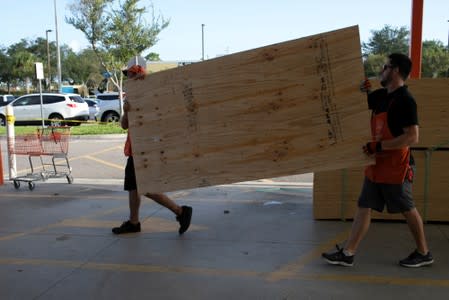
(336, 192)
(279, 110)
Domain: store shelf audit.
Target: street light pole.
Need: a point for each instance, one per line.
(48, 60)
(448, 38)
(58, 51)
(202, 41)
(447, 73)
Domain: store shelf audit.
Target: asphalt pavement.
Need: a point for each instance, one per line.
(252, 240)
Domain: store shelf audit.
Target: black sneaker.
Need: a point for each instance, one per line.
(416, 260)
(184, 219)
(339, 258)
(127, 227)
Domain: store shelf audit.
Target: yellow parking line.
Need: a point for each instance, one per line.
(120, 167)
(115, 148)
(59, 224)
(367, 279)
(149, 225)
(128, 267)
(377, 279)
(290, 270)
(53, 196)
(89, 156)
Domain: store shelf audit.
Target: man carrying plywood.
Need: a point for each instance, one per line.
(136, 70)
(394, 127)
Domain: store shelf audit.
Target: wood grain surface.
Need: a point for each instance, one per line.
(283, 109)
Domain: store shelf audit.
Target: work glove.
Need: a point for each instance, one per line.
(372, 147)
(365, 86)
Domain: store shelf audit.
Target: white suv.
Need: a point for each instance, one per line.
(56, 108)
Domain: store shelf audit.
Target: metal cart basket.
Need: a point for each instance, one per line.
(47, 145)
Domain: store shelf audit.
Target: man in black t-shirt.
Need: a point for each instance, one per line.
(394, 127)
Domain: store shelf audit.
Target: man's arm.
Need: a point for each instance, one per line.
(124, 120)
(408, 138)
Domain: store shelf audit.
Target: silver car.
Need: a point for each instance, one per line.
(94, 109)
(109, 104)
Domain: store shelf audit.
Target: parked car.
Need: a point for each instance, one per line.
(94, 109)
(58, 108)
(6, 99)
(109, 104)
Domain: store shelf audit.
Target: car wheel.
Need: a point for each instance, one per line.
(111, 117)
(2, 121)
(56, 120)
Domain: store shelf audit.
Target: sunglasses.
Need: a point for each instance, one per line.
(387, 67)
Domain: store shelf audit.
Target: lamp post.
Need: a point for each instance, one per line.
(58, 51)
(202, 41)
(447, 73)
(48, 60)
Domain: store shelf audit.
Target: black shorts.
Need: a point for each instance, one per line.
(130, 175)
(397, 197)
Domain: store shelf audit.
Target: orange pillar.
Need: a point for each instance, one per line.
(416, 38)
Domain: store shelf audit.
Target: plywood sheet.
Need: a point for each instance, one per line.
(288, 108)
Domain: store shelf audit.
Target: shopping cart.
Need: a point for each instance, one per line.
(46, 145)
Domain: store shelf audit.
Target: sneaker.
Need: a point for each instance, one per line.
(339, 258)
(184, 219)
(416, 260)
(126, 227)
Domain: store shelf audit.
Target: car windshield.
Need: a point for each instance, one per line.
(108, 97)
(90, 102)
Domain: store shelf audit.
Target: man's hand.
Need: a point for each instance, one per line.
(372, 147)
(365, 86)
(126, 106)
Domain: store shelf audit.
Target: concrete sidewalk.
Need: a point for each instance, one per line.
(247, 241)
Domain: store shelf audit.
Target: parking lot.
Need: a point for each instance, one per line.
(254, 240)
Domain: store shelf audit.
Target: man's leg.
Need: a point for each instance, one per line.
(421, 256)
(165, 202)
(416, 226)
(345, 256)
(134, 205)
(360, 227)
(133, 224)
(183, 213)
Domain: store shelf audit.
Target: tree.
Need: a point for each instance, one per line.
(116, 31)
(22, 62)
(152, 56)
(435, 59)
(6, 75)
(373, 64)
(387, 40)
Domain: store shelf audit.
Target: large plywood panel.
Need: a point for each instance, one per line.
(288, 108)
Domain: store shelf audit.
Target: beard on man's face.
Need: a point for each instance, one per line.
(384, 81)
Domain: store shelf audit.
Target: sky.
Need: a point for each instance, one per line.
(230, 26)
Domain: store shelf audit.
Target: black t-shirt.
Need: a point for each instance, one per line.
(400, 105)
(401, 108)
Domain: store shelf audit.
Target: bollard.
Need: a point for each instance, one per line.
(1, 166)
(10, 136)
